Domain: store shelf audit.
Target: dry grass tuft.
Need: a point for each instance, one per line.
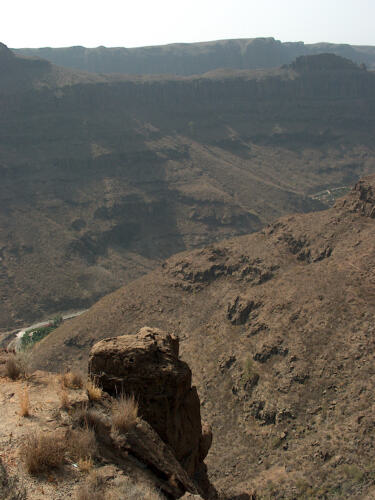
(64, 399)
(24, 360)
(136, 491)
(85, 464)
(86, 492)
(96, 488)
(81, 444)
(13, 370)
(10, 487)
(124, 413)
(91, 418)
(93, 488)
(79, 416)
(54, 381)
(24, 403)
(42, 452)
(96, 421)
(93, 391)
(72, 380)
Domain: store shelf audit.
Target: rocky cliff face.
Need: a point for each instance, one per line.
(102, 177)
(5, 53)
(147, 367)
(361, 199)
(18, 73)
(197, 58)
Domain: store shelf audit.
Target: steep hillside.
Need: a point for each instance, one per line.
(195, 58)
(278, 328)
(63, 437)
(105, 176)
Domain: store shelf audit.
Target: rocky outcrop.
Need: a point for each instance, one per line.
(208, 265)
(239, 310)
(5, 53)
(361, 199)
(17, 72)
(147, 365)
(141, 445)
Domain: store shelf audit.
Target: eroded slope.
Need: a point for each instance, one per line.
(103, 177)
(278, 327)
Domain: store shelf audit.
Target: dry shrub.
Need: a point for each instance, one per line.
(54, 381)
(13, 370)
(93, 488)
(126, 488)
(91, 418)
(94, 392)
(96, 421)
(124, 413)
(24, 403)
(82, 444)
(24, 360)
(42, 452)
(10, 487)
(87, 492)
(72, 380)
(85, 464)
(18, 365)
(64, 399)
(79, 416)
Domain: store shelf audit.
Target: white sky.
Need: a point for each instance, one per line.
(40, 23)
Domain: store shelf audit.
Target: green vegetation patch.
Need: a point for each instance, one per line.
(30, 337)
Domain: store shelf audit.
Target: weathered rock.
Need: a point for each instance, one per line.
(144, 444)
(147, 365)
(239, 310)
(267, 351)
(361, 198)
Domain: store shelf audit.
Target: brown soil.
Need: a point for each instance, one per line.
(109, 464)
(44, 398)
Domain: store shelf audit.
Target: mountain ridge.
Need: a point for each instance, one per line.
(195, 58)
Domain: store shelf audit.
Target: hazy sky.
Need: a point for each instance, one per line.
(39, 23)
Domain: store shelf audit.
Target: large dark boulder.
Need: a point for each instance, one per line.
(147, 366)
